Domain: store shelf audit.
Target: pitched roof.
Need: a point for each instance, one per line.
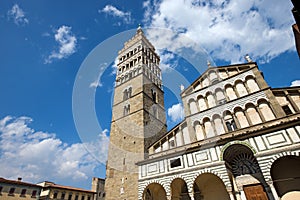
(18, 182)
(57, 186)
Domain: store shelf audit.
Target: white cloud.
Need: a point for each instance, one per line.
(111, 10)
(18, 15)
(115, 66)
(228, 30)
(176, 112)
(295, 83)
(96, 84)
(67, 44)
(167, 61)
(147, 7)
(38, 156)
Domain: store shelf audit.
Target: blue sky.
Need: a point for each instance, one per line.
(44, 45)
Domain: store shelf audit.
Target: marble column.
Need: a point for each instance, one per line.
(191, 194)
(273, 190)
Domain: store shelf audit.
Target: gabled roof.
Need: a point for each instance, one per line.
(240, 67)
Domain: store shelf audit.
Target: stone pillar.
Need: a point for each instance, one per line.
(236, 121)
(238, 195)
(243, 196)
(231, 196)
(235, 189)
(191, 194)
(291, 101)
(260, 115)
(273, 190)
(247, 117)
(168, 194)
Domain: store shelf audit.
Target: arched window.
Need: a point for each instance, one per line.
(241, 89)
(193, 106)
(229, 122)
(253, 114)
(210, 100)
(154, 95)
(218, 125)
(242, 119)
(266, 110)
(220, 96)
(202, 103)
(200, 135)
(252, 85)
(127, 93)
(209, 130)
(230, 92)
(126, 110)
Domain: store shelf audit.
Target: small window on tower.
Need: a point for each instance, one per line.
(154, 95)
(129, 92)
(126, 110)
(125, 95)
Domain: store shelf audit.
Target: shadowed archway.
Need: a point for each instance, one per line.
(154, 191)
(208, 186)
(179, 190)
(285, 173)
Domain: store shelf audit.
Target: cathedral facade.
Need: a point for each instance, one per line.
(239, 140)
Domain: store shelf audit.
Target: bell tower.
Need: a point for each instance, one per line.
(138, 115)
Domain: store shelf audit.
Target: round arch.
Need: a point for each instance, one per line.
(238, 81)
(238, 108)
(261, 100)
(209, 186)
(242, 165)
(236, 142)
(285, 174)
(223, 177)
(249, 76)
(154, 191)
(226, 112)
(179, 189)
(205, 119)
